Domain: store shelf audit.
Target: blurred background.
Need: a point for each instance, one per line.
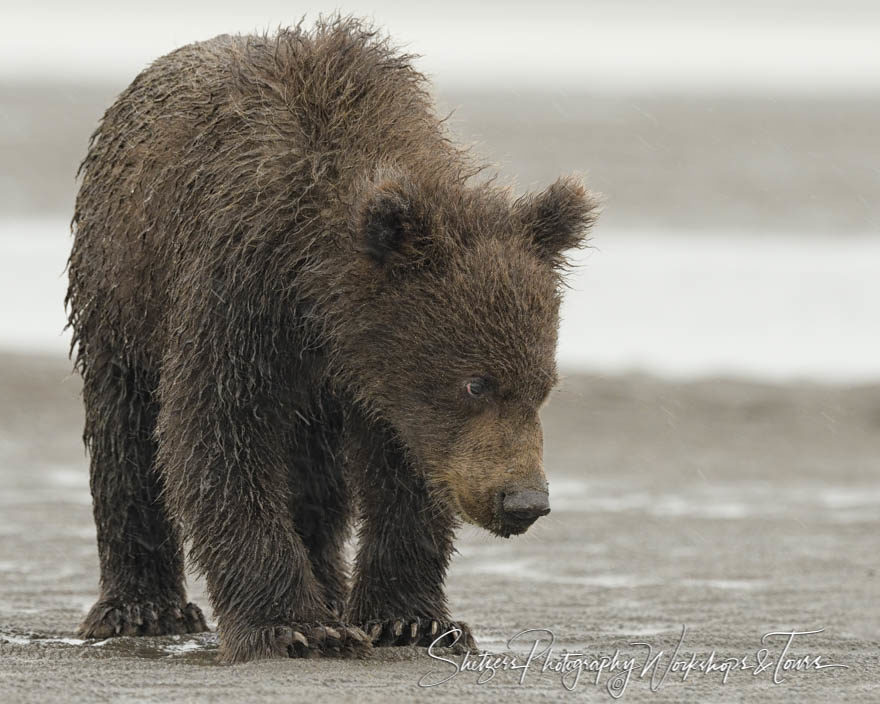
(714, 450)
(737, 145)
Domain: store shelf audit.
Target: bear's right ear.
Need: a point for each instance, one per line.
(392, 225)
(559, 218)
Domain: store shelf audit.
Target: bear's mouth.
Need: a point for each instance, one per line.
(497, 526)
(509, 528)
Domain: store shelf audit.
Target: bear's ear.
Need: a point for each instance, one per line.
(392, 225)
(558, 218)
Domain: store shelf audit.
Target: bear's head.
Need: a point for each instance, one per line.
(459, 310)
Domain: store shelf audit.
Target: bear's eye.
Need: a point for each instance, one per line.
(477, 387)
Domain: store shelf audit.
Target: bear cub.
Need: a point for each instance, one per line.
(295, 303)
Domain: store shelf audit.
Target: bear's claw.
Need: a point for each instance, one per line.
(420, 632)
(115, 617)
(307, 640)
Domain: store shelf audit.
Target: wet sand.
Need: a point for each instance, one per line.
(693, 162)
(732, 508)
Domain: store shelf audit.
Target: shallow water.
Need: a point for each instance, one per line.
(193, 649)
(765, 307)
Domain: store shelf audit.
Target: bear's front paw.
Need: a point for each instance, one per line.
(422, 632)
(119, 617)
(298, 640)
(337, 639)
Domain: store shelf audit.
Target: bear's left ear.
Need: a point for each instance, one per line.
(394, 230)
(558, 218)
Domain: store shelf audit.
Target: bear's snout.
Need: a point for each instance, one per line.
(519, 508)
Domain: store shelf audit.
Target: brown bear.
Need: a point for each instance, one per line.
(293, 298)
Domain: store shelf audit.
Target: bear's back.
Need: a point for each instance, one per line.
(234, 142)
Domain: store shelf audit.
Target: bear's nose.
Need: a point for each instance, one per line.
(526, 505)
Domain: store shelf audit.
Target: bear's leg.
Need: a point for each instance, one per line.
(226, 440)
(405, 542)
(320, 503)
(142, 584)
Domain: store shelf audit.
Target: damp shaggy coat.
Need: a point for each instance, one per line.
(293, 303)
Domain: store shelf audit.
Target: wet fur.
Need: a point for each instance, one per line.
(282, 267)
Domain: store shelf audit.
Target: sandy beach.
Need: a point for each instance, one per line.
(731, 509)
(695, 163)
